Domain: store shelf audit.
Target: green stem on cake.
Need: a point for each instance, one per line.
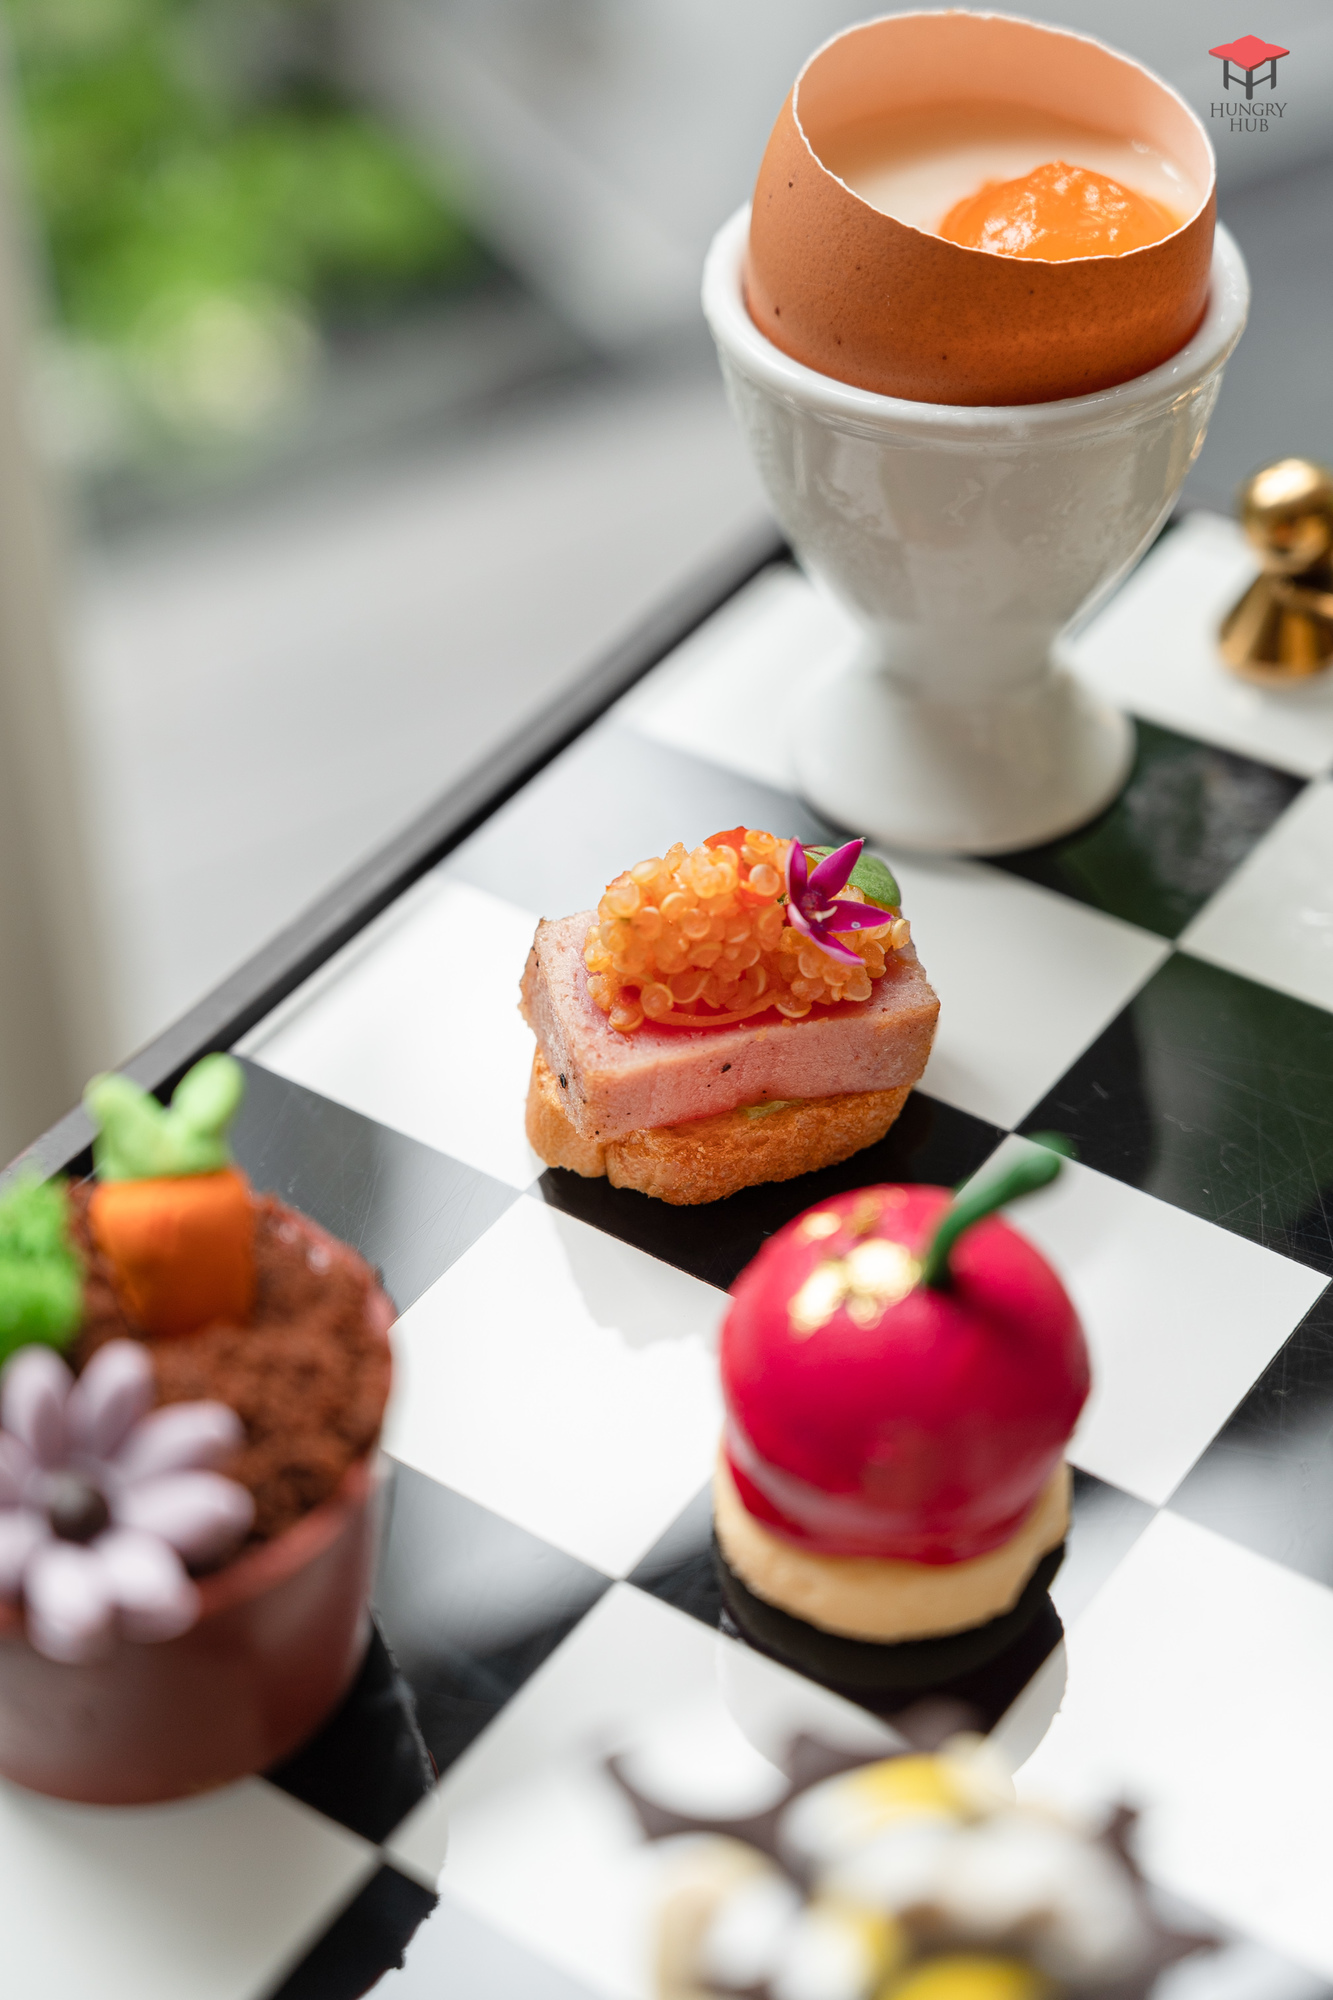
(1022, 1176)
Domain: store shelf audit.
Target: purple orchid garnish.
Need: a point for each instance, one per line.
(811, 899)
(105, 1500)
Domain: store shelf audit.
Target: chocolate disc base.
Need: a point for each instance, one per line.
(986, 1667)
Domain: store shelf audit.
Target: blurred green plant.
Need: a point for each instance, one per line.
(201, 224)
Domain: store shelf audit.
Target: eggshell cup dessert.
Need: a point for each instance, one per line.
(968, 448)
(858, 294)
(281, 1635)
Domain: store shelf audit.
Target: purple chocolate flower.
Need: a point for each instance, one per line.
(104, 1500)
(812, 905)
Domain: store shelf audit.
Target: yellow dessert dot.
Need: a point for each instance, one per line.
(969, 1976)
(1057, 212)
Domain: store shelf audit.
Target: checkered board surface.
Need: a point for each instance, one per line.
(1160, 987)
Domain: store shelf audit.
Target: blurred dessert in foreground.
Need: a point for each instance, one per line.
(916, 1877)
(744, 1012)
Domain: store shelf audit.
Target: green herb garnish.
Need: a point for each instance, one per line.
(41, 1279)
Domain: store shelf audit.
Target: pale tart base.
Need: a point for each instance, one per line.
(707, 1158)
(885, 1601)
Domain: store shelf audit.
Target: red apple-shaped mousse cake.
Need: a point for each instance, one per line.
(902, 1371)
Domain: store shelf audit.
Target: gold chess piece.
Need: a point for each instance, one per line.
(1281, 631)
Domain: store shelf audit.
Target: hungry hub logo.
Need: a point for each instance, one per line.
(1249, 58)
(1249, 63)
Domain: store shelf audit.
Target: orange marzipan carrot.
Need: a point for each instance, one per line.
(182, 1249)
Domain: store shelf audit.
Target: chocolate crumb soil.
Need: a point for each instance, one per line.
(308, 1376)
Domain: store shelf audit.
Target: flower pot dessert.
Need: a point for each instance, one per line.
(916, 1877)
(189, 1413)
(973, 209)
(901, 1373)
(744, 1012)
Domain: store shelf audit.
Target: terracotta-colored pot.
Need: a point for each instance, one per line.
(279, 1641)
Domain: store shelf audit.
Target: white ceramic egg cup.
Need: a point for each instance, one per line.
(963, 540)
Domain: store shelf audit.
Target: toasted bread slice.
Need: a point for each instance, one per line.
(552, 1132)
(707, 1158)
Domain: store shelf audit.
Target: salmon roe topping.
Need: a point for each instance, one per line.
(702, 939)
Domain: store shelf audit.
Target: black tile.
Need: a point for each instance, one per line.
(679, 1568)
(369, 1765)
(470, 1605)
(366, 1941)
(930, 1142)
(1266, 1480)
(409, 1210)
(1106, 1524)
(613, 799)
(1216, 1094)
(1185, 821)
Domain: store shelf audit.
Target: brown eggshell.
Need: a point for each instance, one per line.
(872, 301)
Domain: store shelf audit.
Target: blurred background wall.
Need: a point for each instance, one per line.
(373, 399)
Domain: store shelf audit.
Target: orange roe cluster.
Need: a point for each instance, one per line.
(1057, 212)
(702, 939)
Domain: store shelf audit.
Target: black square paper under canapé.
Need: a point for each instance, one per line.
(409, 1210)
(1216, 1094)
(470, 1605)
(1266, 1480)
(1185, 821)
(715, 1240)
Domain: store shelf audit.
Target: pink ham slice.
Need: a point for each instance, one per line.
(614, 1084)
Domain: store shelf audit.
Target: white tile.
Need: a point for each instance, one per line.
(727, 693)
(455, 1955)
(1154, 650)
(543, 1845)
(1241, 1970)
(209, 1898)
(388, 1030)
(1181, 1318)
(420, 1843)
(1273, 920)
(557, 1862)
(1198, 1691)
(564, 1379)
(1026, 979)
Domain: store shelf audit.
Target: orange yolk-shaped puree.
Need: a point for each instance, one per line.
(1057, 212)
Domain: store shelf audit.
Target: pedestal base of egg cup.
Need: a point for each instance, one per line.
(280, 1638)
(964, 540)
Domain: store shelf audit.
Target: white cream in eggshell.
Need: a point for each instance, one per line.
(917, 163)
